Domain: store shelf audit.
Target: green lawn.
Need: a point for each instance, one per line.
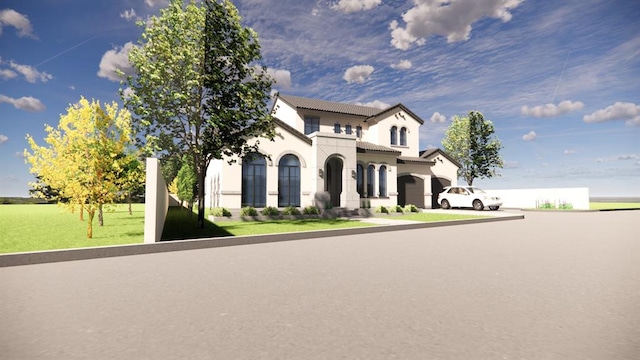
(46, 227)
(612, 205)
(31, 227)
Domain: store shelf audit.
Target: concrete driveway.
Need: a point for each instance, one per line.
(552, 286)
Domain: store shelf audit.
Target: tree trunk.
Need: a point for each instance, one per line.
(201, 174)
(81, 212)
(129, 201)
(100, 216)
(90, 224)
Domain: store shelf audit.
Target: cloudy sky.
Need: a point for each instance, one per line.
(559, 79)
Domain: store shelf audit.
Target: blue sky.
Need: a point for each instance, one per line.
(559, 79)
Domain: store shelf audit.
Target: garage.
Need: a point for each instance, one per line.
(410, 191)
(437, 185)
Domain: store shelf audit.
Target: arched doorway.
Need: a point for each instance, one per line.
(333, 180)
(289, 181)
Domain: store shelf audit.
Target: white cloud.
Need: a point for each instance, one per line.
(569, 152)
(511, 165)
(618, 111)
(116, 59)
(376, 104)
(438, 118)
(629, 157)
(3, 138)
(7, 74)
(127, 92)
(402, 65)
(9, 17)
(552, 110)
(358, 74)
(530, 136)
(26, 103)
(350, 6)
(450, 18)
(130, 15)
(30, 73)
(282, 77)
(156, 3)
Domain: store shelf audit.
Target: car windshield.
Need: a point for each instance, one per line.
(476, 190)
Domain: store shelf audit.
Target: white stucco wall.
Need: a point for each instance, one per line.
(534, 198)
(156, 202)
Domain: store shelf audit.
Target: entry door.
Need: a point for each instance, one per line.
(333, 180)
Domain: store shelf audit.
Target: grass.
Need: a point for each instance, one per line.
(46, 227)
(181, 225)
(31, 227)
(612, 205)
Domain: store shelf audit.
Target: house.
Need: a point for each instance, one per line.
(350, 156)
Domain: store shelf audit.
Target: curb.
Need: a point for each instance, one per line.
(54, 256)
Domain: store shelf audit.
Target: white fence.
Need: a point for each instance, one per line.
(557, 198)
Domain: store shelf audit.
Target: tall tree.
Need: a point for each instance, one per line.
(472, 142)
(198, 88)
(187, 183)
(81, 159)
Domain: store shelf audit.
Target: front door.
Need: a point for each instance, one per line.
(333, 180)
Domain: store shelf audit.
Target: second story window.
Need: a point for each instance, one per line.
(359, 131)
(336, 128)
(311, 124)
(347, 129)
(403, 136)
(394, 135)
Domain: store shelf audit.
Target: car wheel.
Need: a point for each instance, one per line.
(445, 204)
(477, 205)
(494, 207)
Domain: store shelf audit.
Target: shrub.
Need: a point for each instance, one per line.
(565, 206)
(396, 209)
(311, 210)
(290, 210)
(547, 205)
(220, 211)
(270, 211)
(248, 211)
(410, 208)
(382, 210)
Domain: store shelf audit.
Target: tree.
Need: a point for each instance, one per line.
(198, 88)
(44, 191)
(81, 159)
(471, 142)
(187, 182)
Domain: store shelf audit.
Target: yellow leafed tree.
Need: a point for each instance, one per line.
(85, 155)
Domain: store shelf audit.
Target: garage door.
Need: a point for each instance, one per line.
(437, 185)
(410, 191)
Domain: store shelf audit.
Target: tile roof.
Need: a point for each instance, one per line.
(414, 160)
(363, 146)
(329, 106)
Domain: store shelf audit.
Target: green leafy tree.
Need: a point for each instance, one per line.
(187, 183)
(81, 160)
(471, 141)
(198, 88)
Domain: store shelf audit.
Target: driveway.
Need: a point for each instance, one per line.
(551, 286)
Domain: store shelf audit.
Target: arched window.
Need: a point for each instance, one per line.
(360, 180)
(394, 135)
(403, 136)
(289, 181)
(337, 128)
(382, 181)
(371, 181)
(254, 180)
(358, 131)
(347, 129)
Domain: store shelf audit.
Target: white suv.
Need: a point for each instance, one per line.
(467, 196)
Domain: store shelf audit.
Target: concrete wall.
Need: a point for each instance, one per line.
(535, 198)
(156, 202)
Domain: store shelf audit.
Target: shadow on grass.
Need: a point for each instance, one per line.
(181, 224)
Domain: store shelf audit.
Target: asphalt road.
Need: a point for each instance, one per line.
(551, 286)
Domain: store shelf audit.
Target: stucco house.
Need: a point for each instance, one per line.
(339, 152)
